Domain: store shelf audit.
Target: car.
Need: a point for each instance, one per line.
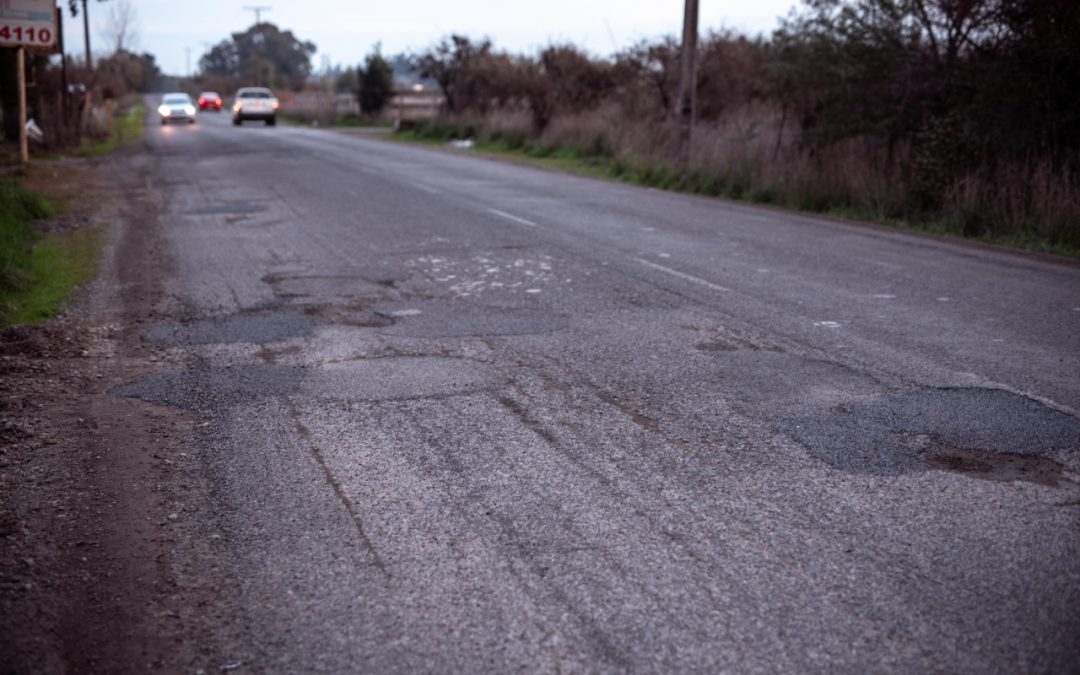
(255, 103)
(176, 107)
(209, 100)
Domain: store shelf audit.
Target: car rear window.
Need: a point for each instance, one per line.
(254, 94)
(176, 99)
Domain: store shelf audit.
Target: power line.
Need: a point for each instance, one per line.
(258, 9)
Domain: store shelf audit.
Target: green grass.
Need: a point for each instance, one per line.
(38, 274)
(127, 128)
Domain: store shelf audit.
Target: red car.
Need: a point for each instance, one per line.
(209, 100)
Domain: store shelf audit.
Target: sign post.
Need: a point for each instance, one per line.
(26, 24)
(24, 145)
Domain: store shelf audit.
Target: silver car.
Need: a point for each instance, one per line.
(255, 103)
(176, 107)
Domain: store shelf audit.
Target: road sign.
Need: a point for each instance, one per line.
(28, 23)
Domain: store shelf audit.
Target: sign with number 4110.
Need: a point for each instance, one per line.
(28, 23)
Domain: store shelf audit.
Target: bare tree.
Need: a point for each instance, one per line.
(120, 28)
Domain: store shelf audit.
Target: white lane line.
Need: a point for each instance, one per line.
(683, 275)
(427, 189)
(827, 324)
(510, 216)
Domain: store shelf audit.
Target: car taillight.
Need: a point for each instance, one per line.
(275, 105)
(202, 100)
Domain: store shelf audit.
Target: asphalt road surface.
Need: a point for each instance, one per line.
(463, 415)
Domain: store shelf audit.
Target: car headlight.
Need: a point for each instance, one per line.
(189, 109)
(164, 110)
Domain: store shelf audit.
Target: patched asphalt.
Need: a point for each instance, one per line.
(901, 433)
(466, 416)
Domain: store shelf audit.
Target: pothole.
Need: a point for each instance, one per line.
(231, 208)
(238, 328)
(324, 288)
(986, 433)
(449, 319)
(1005, 466)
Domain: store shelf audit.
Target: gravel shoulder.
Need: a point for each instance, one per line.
(100, 566)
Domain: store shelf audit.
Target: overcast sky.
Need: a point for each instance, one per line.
(346, 30)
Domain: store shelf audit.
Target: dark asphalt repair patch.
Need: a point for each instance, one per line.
(233, 208)
(984, 433)
(204, 389)
(247, 328)
(447, 319)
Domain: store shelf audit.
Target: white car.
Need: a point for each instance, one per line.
(176, 107)
(255, 103)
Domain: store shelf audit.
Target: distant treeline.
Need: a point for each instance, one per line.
(959, 114)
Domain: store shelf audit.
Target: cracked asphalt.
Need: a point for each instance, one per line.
(462, 415)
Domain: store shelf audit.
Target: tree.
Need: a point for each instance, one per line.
(453, 63)
(138, 72)
(347, 82)
(376, 79)
(120, 27)
(263, 55)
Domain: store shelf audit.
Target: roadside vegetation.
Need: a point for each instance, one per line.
(125, 128)
(44, 255)
(958, 118)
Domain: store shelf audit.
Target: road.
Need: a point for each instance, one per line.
(461, 415)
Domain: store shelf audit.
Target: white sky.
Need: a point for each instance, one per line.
(345, 31)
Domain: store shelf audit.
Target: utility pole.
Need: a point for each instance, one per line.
(86, 34)
(687, 82)
(258, 9)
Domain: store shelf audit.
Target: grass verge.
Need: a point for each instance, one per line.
(127, 127)
(39, 272)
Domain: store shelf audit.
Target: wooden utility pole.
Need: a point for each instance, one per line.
(687, 81)
(86, 35)
(20, 65)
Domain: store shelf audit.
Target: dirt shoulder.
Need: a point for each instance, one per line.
(103, 564)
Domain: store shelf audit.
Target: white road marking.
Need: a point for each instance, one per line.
(664, 255)
(405, 312)
(827, 324)
(428, 189)
(510, 216)
(943, 299)
(532, 290)
(683, 275)
(884, 296)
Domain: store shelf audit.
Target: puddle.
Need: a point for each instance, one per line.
(233, 208)
(448, 319)
(239, 328)
(982, 432)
